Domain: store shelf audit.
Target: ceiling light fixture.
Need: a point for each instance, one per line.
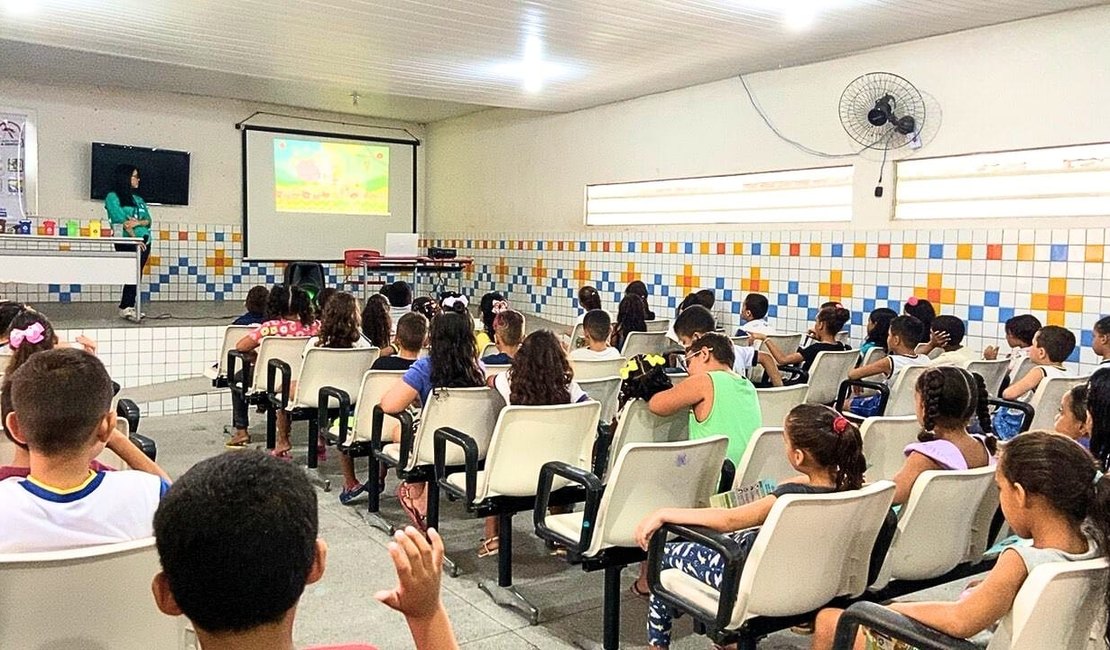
(532, 69)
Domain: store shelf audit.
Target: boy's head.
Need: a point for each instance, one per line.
(905, 333)
(1020, 330)
(692, 321)
(1052, 344)
(236, 535)
(399, 293)
(708, 348)
(1100, 342)
(412, 331)
(953, 327)
(63, 403)
(256, 299)
(596, 325)
(755, 306)
(705, 298)
(508, 328)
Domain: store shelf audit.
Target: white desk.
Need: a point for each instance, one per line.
(37, 259)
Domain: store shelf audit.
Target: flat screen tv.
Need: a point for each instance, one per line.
(164, 174)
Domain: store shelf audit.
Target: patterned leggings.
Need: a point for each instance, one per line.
(692, 559)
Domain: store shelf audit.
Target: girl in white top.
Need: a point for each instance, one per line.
(1048, 491)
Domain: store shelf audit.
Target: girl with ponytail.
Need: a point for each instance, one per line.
(820, 443)
(947, 398)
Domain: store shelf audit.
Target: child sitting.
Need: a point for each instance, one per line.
(1098, 416)
(8, 311)
(427, 307)
(255, 306)
(720, 401)
(830, 320)
(1071, 418)
(412, 332)
(596, 328)
(878, 328)
(696, 321)
(492, 304)
(922, 310)
(1048, 489)
(588, 300)
(948, 335)
(754, 313)
(237, 570)
(631, 317)
(1100, 340)
(1052, 345)
(508, 331)
(905, 334)
(1019, 336)
(638, 288)
(63, 413)
(399, 294)
(821, 444)
(377, 325)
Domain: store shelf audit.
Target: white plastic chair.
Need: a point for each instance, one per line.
(638, 424)
(872, 355)
(764, 458)
(658, 325)
(923, 348)
(576, 335)
(992, 372)
(605, 391)
(494, 369)
(644, 343)
(775, 403)
(491, 348)
(288, 349)
(1046, 399)
(584, 370)
(901, 400)
(884, 443)
(843, 336)
(829, 368)
(232, 335)
(99, 595)
(785, 343)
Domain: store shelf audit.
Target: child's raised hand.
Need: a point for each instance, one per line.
(990, 353)
(419, 567)
(88, 344)
(938, 338)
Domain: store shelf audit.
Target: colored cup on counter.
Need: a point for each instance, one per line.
(24, 227)
(73, 228)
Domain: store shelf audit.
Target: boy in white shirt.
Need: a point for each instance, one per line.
(1019, 336)
(694, 321)
(63, 413)
(905, 332)
(754, 313)
(947, 333)
(596, 326)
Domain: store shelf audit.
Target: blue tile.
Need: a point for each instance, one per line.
(1086, 338)
(1059, 252)
(772, 310)
(792, 287)
(803, 301)
(974, 313)
(728, 295)
(991, 298)
(783, 299)
(811, 313)
(688, 247)
(757, 249)
(936, 251)
(631, 247)
(1074, 356)
(63, 296)
(868, 306)
(857, 317)
(219, 236)
(581, 246)
(719, 284)
(881, 293)
(736, 308)
(1005, 314)
(838, 250)
(671, 302)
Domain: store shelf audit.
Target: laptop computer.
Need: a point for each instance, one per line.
(402, 244)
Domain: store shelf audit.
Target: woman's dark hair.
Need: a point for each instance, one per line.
(1052, 467)
(454, 356)
(950, 397)
(830, 440)
(300, 305)
(690, 300)
(322, 298)
(1098, 409)
(636, 288)
(833, 317)
(339, 323)
(1078, 402)
(121, 183)
(487, 307)
(706, 298)
(631, 315)
(540, 374)
(427, 307)
(377, 326)
(588, 298)
(22, 352)
(881, 318)
(399, 293)
(8, 311)
(922, 310)
(256, 300)
(277, 303)
(720, 347)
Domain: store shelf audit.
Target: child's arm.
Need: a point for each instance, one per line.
(398, 398)
(1022, 386)
(770, 368)
(686, 395)
(781, 357)
(722, 520)
(133, 456)
(980, 608)
(419, 567)
(937, 339)
(883, 366)
(246, 344)
(990, 353)
(914, 465)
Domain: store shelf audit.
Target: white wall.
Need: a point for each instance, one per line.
(70, 118)
(1033, 83)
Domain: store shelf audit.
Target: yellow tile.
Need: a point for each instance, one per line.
(202, 236)
(1039, 301)
(815, 250)
(1025, 252)
(737, 248)
(1073, 304)
(859, 250)
(963, 251)
(775, 248)
(909, 251)
(1055, 318)
(704, 247)
(1094, 253)
(1057, 286)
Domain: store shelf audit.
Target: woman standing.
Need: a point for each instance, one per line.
(128, 212)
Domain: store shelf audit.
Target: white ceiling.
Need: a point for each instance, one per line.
(422, 61)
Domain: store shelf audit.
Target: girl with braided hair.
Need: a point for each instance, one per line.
(947, 398)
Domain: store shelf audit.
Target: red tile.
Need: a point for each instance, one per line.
(994, 251)
(795, 250)
(884, 250)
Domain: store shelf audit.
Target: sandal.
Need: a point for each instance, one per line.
(240, 444)
(644, 595)
(486, 550)
(282, 455)
(409, 507)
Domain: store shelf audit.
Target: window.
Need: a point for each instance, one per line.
(1056, 182)
(805, 195)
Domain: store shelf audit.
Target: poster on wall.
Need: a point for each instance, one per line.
(18, 165)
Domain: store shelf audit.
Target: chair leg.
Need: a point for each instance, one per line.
(312, 469)
(504, 593)
(374, 499)
(611, 608)
(432, 519)
(271, 427)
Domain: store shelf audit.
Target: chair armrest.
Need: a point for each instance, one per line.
(129, 410)
(603, 447)
(235, 357)
(441, 437)
(1026, 409)
(728, 476)
(797, 375)
(343, 400)
(892, 624)
(594, 490)
(731, 553)
(847, 384)
(378, 421)
(275, 366)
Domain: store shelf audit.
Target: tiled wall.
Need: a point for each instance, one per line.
(983, 277)
(140, 356)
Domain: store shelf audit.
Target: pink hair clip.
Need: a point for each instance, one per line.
(33, 333)
(840, 424)
(911, 301)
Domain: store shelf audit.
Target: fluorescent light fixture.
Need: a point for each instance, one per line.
(533, 70)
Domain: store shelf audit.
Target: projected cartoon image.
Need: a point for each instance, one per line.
(331, 177)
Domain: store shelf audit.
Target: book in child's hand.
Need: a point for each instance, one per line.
(742, 495)
(877, 641)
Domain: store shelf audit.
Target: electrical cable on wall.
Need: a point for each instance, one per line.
(794, 143)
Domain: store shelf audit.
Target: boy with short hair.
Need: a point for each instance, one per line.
(947, 333)
(237, 540)
(1052, 345)
(63, 413)
(696, 321)
(1100, 340)
(1019, 336)
(412, 332)
(754, 313)
(905, 332)
(255, 305)
(596, 327)
(508, 332)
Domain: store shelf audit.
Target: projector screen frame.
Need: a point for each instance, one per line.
(244, 128)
